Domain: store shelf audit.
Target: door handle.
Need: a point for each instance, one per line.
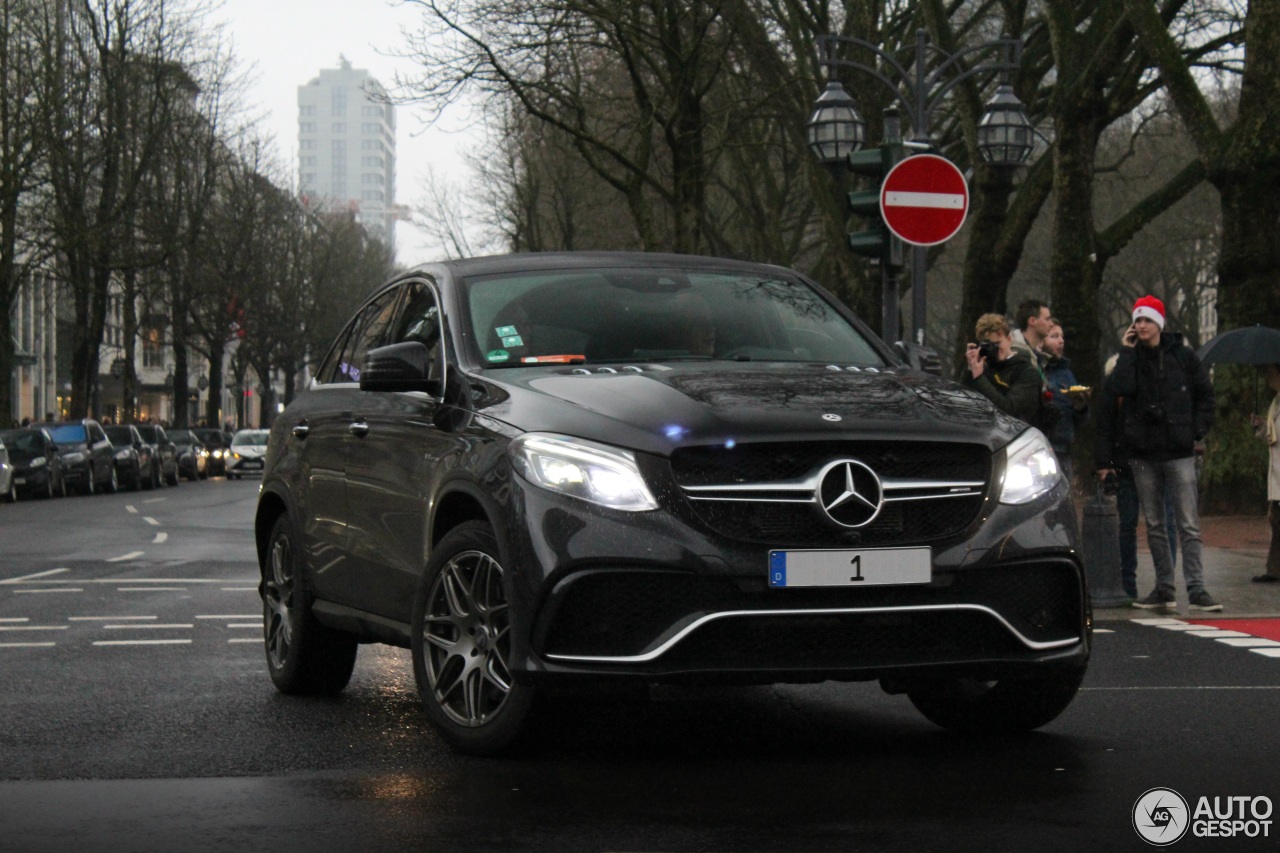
(358, 428)
(301, 430)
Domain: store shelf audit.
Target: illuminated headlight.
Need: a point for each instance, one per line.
(1030, 468)
(39, 461)
(122, 454)
(217, 454)
(582, 469)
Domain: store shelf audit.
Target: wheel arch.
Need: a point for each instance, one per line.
(270, 507)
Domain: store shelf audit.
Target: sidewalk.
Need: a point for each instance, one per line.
(1235, 549)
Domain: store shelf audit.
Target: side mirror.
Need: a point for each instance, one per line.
(918, 357)
(401, 367)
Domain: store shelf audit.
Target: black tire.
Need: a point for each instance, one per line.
(1002, 707)
(151, 479)
(304, 658)
(113, 484)
(461, 645)
(11, 496)
(172, 480)
(47, 492)
(89, 486)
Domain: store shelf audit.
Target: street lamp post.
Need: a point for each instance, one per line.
(836, 130)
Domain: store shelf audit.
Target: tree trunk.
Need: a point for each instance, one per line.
(213, 414)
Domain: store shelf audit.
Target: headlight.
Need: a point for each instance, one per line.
(217, 454)
(38, 461)
(582, 469)
(122, 454)
(73, 457)
(1030, 468)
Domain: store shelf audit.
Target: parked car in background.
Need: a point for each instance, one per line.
(88, 460)
(218, 442)
(164, 456)
(37, 467)
(193, 457)
(8, 486)
(248, 447)
(133, 456)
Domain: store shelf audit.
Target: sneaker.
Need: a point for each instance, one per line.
(1204, 601)
(1154, 601)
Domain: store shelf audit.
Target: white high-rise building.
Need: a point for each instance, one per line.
(347, 147)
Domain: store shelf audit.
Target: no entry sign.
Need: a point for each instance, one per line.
(924, 200)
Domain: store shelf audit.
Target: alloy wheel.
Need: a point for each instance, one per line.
(466, 635)
(277, 600)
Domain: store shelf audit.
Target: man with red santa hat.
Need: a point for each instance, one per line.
(1166, 406)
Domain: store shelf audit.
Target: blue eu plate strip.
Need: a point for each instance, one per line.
(777, 568)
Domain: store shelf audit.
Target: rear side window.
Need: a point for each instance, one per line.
(366, 331)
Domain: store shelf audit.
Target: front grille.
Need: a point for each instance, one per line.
(618, 613)
(799, 522)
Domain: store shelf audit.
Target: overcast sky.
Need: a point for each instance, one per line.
(282, 44)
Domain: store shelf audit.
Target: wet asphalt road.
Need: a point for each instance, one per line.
(165, 734)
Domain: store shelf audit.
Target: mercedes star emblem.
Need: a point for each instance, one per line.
(849, 493)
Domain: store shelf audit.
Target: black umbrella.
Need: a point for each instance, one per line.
(1248, 345)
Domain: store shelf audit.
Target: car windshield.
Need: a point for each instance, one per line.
(181, 436)
(148, 433)
(641, 314)
(252, 439)
(119, 435)
(22, 439)
(69, 434)
(211, 437)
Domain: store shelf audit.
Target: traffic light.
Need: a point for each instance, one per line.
(876, 242)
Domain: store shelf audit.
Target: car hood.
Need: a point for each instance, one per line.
(79, 447)
(24, 457)
(661, 407)
(250, 451)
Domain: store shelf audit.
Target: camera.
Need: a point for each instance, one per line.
(1153, 413)
(989, 350)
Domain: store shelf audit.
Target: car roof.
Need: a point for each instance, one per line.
(534, 261)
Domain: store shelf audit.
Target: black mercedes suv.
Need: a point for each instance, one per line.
(536, 469)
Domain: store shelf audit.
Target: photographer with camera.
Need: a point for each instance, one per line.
(1007, 378)
(1165, 405)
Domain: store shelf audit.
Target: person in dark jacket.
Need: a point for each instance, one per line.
(1069, 397)
(1006, 378)
(1165, 407)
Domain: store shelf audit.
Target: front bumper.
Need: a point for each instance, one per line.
(659, 596)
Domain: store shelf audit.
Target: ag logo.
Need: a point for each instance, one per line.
(1161, 817)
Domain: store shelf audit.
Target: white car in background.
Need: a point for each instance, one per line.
(248, 448)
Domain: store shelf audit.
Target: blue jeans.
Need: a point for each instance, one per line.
(1127, 510)
(1178, 477)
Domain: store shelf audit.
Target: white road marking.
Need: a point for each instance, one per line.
(236, 616)
(1268, 652)
(155, 500)
(241, 640)
(160, 537)
(1250, 642)
(106, 618)
(31, 645)
(141, 642)
(110, 627)
(57, 589)
(1103, 631)
(33, 627)
(149, 520)
(15, 619)
(26, 578)
(150, 588)
(131, 508)
(239, 589)
(1158, 620)
(245, 625)
(136, 580)
(1217, 633)
(130, 556)
(1180, 626)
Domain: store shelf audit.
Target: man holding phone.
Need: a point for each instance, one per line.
(1166, 406)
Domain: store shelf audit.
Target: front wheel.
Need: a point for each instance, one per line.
(304, 658)
(998, 707)
(461, 645)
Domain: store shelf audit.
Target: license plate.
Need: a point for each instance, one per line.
(19, 481)
(252, 463)
(863, 567)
